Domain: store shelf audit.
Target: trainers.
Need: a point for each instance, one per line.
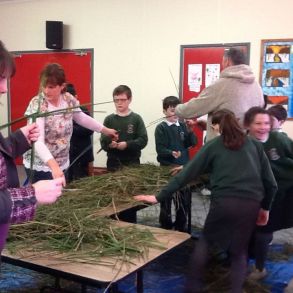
(205, 192)
(257, 274)
(289, 288)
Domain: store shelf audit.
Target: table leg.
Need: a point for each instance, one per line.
(139, 281)
(189, 211)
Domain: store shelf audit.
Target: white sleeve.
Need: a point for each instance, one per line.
(87, 121)
(40, 146)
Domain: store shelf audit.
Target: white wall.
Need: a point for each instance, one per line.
(137, 42)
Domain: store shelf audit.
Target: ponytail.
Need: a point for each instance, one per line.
(231, 132)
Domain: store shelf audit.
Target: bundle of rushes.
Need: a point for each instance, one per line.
(71, 225)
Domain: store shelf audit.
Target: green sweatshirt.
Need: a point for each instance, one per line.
(131, 129)
(173, 138)
(243, 173)
(279, 150)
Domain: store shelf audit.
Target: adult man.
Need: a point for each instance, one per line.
(236, 90)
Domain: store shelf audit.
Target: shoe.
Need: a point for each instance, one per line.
(289, 288)
(205, 192)
(257, 274)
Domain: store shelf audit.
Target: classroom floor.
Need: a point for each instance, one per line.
(166, 275)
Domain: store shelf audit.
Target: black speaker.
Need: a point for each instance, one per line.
(54, 34)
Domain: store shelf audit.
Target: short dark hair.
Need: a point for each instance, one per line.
(170, 101)
(7, 65)
(71, 89)
(122, 89)
(236, 55)
(278, 111)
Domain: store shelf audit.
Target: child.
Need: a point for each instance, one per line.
(242, 188)
(279, 116)
(131, 129)
(173, 139)
(81, 155)
(279, 150)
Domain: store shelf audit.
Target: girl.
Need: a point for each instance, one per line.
(52, 147)
(279, 150)
(242, 188)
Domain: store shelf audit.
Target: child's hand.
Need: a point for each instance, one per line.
(146, 198)
(113, 145)
(263, 217)
(110, 132)
(176, 170)
(122, 145)
(176, 155)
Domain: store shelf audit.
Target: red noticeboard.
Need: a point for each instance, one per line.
(25, 84)
(201, 54)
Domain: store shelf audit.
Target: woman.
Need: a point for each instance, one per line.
(18, 204)
(242, 188)
(52, 147)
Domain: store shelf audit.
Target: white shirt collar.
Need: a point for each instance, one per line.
(172, 123)
(123, 115)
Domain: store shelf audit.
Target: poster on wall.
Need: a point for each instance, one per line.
(194, 77)
(212, 73)
(276, 75)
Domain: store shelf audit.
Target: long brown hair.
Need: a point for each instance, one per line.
(231, 132)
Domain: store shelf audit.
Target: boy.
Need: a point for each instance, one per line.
(81, 154)
(279, 115)
(173, 138)
(131, 130)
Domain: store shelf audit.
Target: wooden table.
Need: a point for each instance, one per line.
(97, 274)
(124, 211)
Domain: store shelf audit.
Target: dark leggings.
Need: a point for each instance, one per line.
(261, 248)
(236, 226)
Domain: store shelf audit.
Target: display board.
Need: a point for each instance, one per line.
(200, 66)
(276, 73)
(25, 84)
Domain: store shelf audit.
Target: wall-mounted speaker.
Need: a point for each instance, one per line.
(54, 34)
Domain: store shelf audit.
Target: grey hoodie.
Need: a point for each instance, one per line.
(236, 90)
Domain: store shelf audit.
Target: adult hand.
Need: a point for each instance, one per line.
(202, 124)
(146, 198)
(56, 171)
(48, 191)
(263, 217)
(58, 174)
(176, 170)
(110, 132)
(190, 123)
(122, 145)
(31, 132)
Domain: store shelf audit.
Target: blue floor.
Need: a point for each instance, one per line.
(164, 275)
